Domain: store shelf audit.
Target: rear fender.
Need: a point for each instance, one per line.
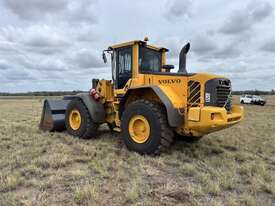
(96, 109)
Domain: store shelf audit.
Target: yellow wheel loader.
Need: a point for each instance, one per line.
(146, 101)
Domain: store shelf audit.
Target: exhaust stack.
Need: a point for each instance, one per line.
(182, 57)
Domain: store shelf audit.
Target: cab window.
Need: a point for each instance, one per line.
(125, 61)
(114, 76)
(149, 60)
(123, 66)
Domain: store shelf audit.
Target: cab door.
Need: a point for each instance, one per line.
(122, 66)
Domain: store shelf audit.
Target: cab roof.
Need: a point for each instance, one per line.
(130, 43)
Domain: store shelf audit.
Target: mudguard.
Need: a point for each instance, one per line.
(96, 109)
(175, 119)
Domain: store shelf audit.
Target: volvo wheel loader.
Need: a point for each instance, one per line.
(146, 101)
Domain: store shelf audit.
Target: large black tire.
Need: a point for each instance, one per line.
(87, 127)
(160, 136)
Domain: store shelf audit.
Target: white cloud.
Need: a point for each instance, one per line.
(57, 44)
(269, 46)
(87, 58)
(4, 65)
(32, 9)
(178, 9)
(203, 45)
(51, 64)
(244, 19)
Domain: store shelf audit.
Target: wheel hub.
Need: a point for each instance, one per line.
(75, 119)
(139, 129)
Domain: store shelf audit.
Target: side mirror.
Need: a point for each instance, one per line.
(168, 67)
(104, 57)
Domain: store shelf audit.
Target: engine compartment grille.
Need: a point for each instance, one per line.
(223, 97)
(220, 92)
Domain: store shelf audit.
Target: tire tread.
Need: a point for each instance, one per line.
(166, 133)
(90, 128)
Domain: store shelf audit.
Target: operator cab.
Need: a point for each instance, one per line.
(149, 60)
(138, 57)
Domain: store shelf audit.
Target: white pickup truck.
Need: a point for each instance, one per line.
(252, 99)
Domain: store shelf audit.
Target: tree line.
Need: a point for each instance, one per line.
(254, 92)
(41, 93)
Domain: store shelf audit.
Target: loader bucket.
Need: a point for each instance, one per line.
(53, 115)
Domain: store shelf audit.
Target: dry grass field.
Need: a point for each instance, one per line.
(232, 167)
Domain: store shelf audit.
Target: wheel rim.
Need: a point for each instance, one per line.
(75, 119)
(139, 129)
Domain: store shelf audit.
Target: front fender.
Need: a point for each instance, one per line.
(175, 119)
(96, 109)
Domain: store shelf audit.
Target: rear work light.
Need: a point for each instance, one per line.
(94, 95)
